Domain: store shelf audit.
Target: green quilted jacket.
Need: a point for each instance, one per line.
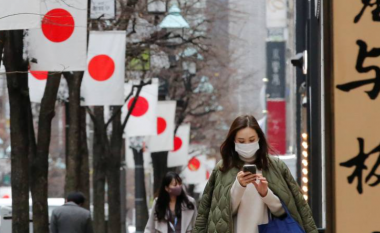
(215, 215)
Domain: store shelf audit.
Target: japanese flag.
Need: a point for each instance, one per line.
(19, 14)
(179, 155)
(103, 81)
(60, 43)
(165, 127)
(131, 159)
(143, 119)
(195, 171)
(37, 83)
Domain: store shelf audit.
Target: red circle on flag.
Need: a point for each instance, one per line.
(141, 107)
(207, 175)
(40, 75)
(161, 125)
(101, 67)
(6, 196)
(194, 164)
(177, 144)
(58, 25)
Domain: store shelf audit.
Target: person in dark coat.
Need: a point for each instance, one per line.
(71, 217)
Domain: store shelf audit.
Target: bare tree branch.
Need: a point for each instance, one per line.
(89, 111)
(139, 88)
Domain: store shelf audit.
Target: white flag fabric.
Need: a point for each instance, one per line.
(165, 127)
(60, 43)
(103, 81)
(143, 119)
(195, 171)
(179, 155)
(37, 83)
(19, 14)
(130, 158)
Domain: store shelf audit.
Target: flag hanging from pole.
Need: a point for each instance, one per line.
(103, 81)
(60, 43)
(143, 119)
(195, 171)
(179, 155)
(165, 127)
(19, 14)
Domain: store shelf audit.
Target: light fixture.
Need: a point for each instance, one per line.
(174, 19)
(304, 165)
(304, 162)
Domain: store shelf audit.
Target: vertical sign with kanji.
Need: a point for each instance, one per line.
(275, 90)
(276, 69)
(356, 49)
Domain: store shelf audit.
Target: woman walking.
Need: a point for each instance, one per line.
(238, 201)
(172, 211)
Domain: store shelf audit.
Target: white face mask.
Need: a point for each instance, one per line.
(247, 151)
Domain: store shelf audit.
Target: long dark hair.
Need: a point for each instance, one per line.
(227, 149)
(163, 198)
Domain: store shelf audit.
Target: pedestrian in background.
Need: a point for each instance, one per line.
(71, 217)
(173, 211)
(237, 201)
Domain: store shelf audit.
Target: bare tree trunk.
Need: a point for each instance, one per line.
(99, 166)
(113, 175)
(72, 166)
(84, 181)
(160, 168)
(123, 190)
(40, 159)
(140, 192)
(19, 107)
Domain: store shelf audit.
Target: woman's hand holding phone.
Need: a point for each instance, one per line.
(246, 178)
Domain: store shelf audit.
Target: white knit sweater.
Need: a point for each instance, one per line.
(250, 209)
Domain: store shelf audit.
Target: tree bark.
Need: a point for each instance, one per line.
(113, 175)
(160, 168)
(84, 181)
(40, 159)
(99, 166)
(19, 107)
(123, 191)
(140, 192)
(72, 166)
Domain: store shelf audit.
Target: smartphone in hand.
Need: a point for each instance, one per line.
(250, 168)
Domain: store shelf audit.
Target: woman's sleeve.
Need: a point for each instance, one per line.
(150, 224)
(201, 221)
(237, 192)
(273, 203)
(302, 206)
